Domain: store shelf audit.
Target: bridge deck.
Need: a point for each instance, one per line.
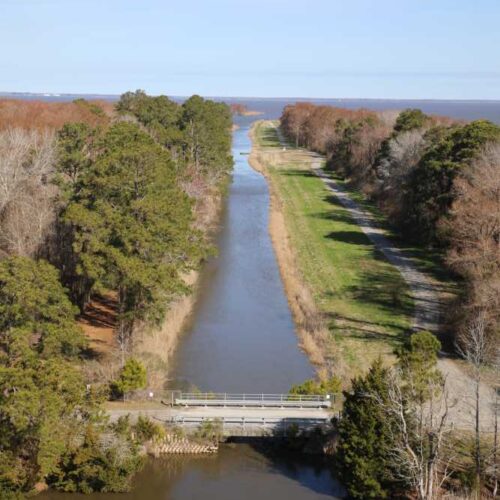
(235, 421)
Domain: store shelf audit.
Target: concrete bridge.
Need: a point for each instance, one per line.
(238, 414)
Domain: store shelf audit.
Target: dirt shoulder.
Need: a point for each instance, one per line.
(311, 328)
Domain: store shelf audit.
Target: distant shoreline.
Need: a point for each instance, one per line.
(68, 95)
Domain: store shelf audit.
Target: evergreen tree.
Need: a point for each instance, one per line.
(35, 312)
(431, 184)
(132, 377)
(410, 119)
(131, 225)
(418, 361)
(365, 436)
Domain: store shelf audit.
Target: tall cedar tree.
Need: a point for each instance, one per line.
(38, 338)
(365, 437)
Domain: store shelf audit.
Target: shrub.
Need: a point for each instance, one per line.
(131, 378)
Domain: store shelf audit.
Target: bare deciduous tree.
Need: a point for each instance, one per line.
(405, 151)
(474, 233)
(26, 193)
(473, 346)
(421, 456)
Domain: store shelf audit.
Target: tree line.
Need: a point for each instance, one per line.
(436, 179)
(105, 202)
(438, 182)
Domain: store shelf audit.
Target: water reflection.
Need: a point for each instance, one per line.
(240, 471)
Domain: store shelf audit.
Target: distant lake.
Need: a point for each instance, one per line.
(272, 107)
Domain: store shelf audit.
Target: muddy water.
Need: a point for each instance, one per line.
(241, 339)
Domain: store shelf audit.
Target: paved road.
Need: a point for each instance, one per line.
(236, 421)
(168, 413)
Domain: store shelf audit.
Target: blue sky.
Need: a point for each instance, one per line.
(310, 48)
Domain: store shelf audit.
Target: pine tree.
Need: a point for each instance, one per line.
(364, 436)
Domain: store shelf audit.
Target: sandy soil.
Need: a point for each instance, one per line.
(98, 323)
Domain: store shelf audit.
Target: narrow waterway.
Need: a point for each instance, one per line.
(240, 338)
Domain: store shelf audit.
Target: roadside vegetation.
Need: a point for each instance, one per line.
(437, 182)
(396, 438)
(96, 201)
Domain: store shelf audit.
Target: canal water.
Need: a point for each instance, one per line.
(240, 338)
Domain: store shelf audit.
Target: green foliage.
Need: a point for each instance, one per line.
(131, 378)
(97, 467)
(41, 387)
(207, 125)
(74, 142)
(197, 132)
(34, 400)
(365, 437)
(210, 430)
(131, 225)
(94, 108)
(311, 386)
(418, 360)
(35, 312)
(410, 119)
(145, 429)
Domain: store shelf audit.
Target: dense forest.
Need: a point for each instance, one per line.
(94, 199)
(437, 181)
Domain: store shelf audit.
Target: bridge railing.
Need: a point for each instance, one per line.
(227, 399)
(249, 426)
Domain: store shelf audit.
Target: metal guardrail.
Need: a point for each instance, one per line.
(262, 400)
(251, 421)
(249, 426)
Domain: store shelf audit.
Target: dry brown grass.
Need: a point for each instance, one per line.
(16, 113)
(311, 326)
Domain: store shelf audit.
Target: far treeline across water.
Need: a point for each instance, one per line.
(95, 199)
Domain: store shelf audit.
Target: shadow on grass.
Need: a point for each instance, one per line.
(351, 237)
(385, 290)
(299, 173)
(269, 138)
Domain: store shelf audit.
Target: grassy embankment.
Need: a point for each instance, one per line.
(349, 303)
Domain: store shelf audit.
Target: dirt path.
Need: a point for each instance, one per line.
(426, 299)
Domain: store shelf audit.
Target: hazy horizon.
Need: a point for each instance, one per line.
(42, 93)
(267, 48)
